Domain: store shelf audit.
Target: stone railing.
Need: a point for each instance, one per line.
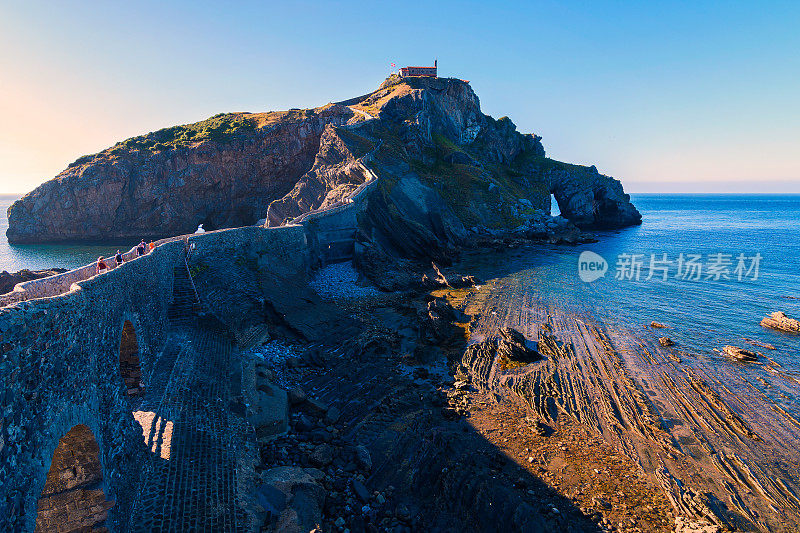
(59, 283)
(62, 283)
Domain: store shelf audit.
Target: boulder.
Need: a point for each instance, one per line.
(322, 455)
(739, 354)
(292, 498)
(665, 341)
(779, 321)
(360, 491)
(296, 396)
(270, 414)
(332, 416)
(363, 458)
(514, 346)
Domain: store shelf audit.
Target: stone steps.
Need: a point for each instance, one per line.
(191, 480)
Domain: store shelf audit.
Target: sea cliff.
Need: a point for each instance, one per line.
(446, 168)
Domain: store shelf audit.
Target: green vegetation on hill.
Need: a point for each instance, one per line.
(465, 186)
(220, 128)
(358, 144)
(528, 162)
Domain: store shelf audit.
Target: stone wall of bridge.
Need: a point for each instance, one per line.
(60, 344)
(60, 368)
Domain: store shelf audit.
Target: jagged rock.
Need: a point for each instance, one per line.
(270, 415)
(665, 341)
(739, 354)
(296, 396)
(655, 324)
(292, 498)
(455, 281)
(9, 280)
(429, 139)
(514, 346)
(778, 320)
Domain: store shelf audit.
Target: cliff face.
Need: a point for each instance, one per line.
(445, 168)
(221, 172)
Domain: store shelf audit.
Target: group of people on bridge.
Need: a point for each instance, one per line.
(141, 249)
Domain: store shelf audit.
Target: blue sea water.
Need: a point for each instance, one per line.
(42, 256)
(706, 311)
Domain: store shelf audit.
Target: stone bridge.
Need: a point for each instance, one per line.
(120, 409)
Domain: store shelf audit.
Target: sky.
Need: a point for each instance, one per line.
(666, 96)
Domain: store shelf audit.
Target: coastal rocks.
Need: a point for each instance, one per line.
(515, 347)
(540, 226)
(657, 325)
(666, 341)
(8, 280)
(739, 354)
(440, 162)
(510, 347)
(436, 321)
(779, 321)
(270, 416)
(222, 172)
(292, 498)
(591, 200)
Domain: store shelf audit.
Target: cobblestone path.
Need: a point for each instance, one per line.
(194, 423)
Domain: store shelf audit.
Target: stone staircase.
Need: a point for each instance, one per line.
(185, 302)
(195, 428)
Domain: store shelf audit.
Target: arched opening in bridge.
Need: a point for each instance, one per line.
(129, 366)
(72, 498)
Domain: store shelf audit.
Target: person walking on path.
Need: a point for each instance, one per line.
(118, 258)
(101, 265)
(151, 246)
(141, 249)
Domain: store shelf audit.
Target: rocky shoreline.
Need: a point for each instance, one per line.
(9, 279)
(528, 432)
(390, 432)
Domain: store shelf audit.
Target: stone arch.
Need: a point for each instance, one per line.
(130, 367)
(73, 498)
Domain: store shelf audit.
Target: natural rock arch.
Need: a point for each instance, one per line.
(130, 367)
(73, 498)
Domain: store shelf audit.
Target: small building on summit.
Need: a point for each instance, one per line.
(419, 71)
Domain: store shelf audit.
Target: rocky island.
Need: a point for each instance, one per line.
(335, 362)
(442, 163)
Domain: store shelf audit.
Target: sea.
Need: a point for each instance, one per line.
(43, 256)
(710, 266)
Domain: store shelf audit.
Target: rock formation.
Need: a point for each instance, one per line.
(221, 172)
(9, 279)
(444, 171)
(739, 354)
(778, 320)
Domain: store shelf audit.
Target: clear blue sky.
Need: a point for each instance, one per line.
(666, 96)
